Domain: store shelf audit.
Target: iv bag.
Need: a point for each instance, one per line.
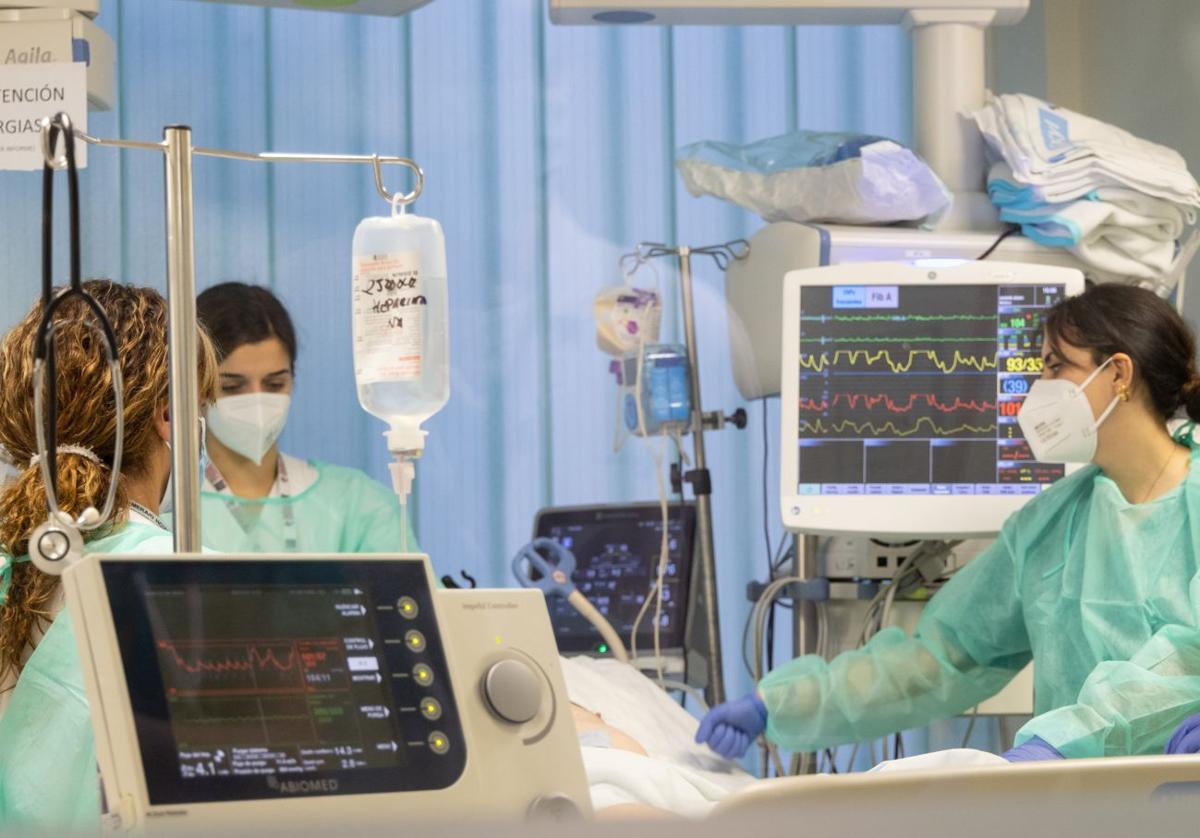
(626, 317)
(401, 333)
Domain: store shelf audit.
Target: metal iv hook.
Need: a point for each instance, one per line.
(398, 198)
(722, 254)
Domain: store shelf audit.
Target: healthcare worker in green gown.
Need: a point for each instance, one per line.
(256, 498)
(1094, 580)
(48, 774)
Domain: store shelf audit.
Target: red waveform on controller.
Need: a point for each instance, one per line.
(854, 400)
(254, 659)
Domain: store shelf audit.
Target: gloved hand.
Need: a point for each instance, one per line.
(729, 728)
(1034, 750)
(1186, 738)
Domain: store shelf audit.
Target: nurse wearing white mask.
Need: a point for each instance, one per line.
(255, 497)
(1096, 579)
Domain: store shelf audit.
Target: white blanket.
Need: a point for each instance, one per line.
(676, 775)
(952, 758)
(1065, 155)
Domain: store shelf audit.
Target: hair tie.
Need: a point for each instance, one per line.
(81, 450)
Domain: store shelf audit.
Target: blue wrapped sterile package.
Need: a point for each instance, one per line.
(817, 176)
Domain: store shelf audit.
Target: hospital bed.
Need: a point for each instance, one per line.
(1115, 796)
(679, 777)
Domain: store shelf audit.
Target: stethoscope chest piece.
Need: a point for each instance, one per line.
(55, 545)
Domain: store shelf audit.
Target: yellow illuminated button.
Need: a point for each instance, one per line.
(430, 709)
(422, 674)
(414, 640)
(407, 606)
(438, 742)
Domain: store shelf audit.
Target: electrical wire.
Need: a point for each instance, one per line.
(745, 643)
(992, 249)
(879, 610)
(970, 727)
(688, 690)
(656, 590)
(759, 615)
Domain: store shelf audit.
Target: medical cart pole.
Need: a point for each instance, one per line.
(181, 322)
(804, 625)
(702, 488)
(804, 618)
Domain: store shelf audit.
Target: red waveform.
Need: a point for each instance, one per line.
(253, 660)
(853, 400)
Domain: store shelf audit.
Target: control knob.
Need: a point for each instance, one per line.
(513, 691)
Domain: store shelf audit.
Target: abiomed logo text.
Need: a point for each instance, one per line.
(302, 786)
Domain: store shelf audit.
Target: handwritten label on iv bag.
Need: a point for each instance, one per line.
(389, 315)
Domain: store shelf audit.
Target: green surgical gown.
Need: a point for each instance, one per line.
(1104, 597)
(344, 511)
(48, 776)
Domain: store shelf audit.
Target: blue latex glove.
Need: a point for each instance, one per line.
(1186, 738)
(1034, 750)
(729, 728)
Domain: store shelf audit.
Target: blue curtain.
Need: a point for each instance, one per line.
(548, 152)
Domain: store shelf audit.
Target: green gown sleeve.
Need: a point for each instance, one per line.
(970, 641)
(1131, 707)
(48, 776)
(374, 519)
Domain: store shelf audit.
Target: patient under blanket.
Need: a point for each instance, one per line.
(638, 747)
(637, 743)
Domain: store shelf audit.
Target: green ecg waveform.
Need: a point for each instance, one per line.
(818, 362)
(895, 318)
(819, 426)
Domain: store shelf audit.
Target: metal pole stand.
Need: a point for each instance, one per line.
(699, 477)
(179, 153)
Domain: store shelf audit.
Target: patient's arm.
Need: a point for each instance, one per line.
(587, 722)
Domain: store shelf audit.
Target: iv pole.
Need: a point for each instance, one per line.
(178, 153)
(699, 477)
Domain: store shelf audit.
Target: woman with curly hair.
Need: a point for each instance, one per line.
(47, 753)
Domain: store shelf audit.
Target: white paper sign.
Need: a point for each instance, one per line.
(27, 93)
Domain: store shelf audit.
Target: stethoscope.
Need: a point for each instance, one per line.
(58, 542)
(555, 564)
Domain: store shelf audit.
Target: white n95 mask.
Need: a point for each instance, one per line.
(250, 423)
(1057, 420)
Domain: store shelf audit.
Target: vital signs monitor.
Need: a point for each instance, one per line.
(260, 691)
(616, 547)
(900, 393)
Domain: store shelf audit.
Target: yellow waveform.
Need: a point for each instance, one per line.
(816, 363)
(819, 426)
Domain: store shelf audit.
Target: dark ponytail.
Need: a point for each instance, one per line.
(1190, 397)
(1107, 319)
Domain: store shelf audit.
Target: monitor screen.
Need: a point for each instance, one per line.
(616, 550)
(901, 387)
(915, 389)
(254, 679)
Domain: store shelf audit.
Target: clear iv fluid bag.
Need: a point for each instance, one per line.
(401, 333)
